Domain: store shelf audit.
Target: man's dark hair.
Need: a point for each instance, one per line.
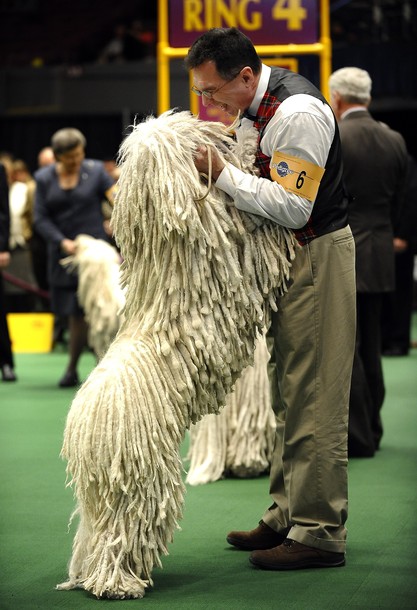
(228, 48)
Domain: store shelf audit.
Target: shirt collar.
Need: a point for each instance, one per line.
(260, 90)
(353, 109)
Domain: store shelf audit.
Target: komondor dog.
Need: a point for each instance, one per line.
(99, 291)
(200, 277)
(239, 440)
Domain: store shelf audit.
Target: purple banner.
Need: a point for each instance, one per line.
(265, 22)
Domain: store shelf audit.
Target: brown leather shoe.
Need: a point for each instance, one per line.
(292, 555)
(262, 537)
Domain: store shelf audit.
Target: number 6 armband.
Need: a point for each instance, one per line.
(296, 175)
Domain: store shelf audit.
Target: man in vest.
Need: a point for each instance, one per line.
(300, 187)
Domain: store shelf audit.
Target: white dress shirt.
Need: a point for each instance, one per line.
(304, 127)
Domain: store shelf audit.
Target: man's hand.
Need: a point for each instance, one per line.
(68, 246)
(400, 245)
(4, 259)
(201, 161)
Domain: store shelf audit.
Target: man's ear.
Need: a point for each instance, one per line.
(335, 100)
(247, 75)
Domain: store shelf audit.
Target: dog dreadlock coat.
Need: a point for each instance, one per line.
(239, 440)
(199, 278)
(99, 292)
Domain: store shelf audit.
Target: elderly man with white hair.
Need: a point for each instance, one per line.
(375, 163)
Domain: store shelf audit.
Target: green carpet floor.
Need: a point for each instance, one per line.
(201, 571)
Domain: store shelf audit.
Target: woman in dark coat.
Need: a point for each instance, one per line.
(68, 202)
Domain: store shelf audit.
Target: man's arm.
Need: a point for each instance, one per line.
(302, 131)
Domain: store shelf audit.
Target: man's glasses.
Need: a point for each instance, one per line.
(209, 94)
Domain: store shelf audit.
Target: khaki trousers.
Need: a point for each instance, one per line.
(312, 338)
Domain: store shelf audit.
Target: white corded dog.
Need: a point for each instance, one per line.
(99, 292)
(240, 439)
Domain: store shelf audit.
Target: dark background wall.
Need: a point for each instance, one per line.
(51, 76)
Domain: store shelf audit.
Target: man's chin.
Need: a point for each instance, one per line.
(232, 112)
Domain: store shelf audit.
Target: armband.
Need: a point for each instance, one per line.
(296, 175)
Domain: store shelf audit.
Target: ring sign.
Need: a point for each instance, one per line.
(265, 22)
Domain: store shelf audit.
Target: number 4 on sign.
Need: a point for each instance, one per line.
(290, 11)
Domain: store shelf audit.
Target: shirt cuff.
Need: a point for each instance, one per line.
(229, 179)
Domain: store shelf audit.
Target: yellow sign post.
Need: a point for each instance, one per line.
(293, 19)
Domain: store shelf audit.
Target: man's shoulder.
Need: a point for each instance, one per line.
(390, 135)
(304, 104)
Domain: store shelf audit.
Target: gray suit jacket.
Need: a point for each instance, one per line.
(375, 166)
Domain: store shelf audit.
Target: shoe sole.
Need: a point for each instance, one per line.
(249, 547)
(297, 566)
(242, 547)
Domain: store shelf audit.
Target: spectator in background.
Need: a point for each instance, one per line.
(6, 355)
(113, 170)
(114, 51)
(136, 41)
(375, 166)
(68, 202)
(398, 306)
(46, 156)
(129, 43)
(21, 172)
(37, 245)
(18, 297)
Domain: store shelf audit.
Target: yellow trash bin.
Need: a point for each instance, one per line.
(31, 332)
